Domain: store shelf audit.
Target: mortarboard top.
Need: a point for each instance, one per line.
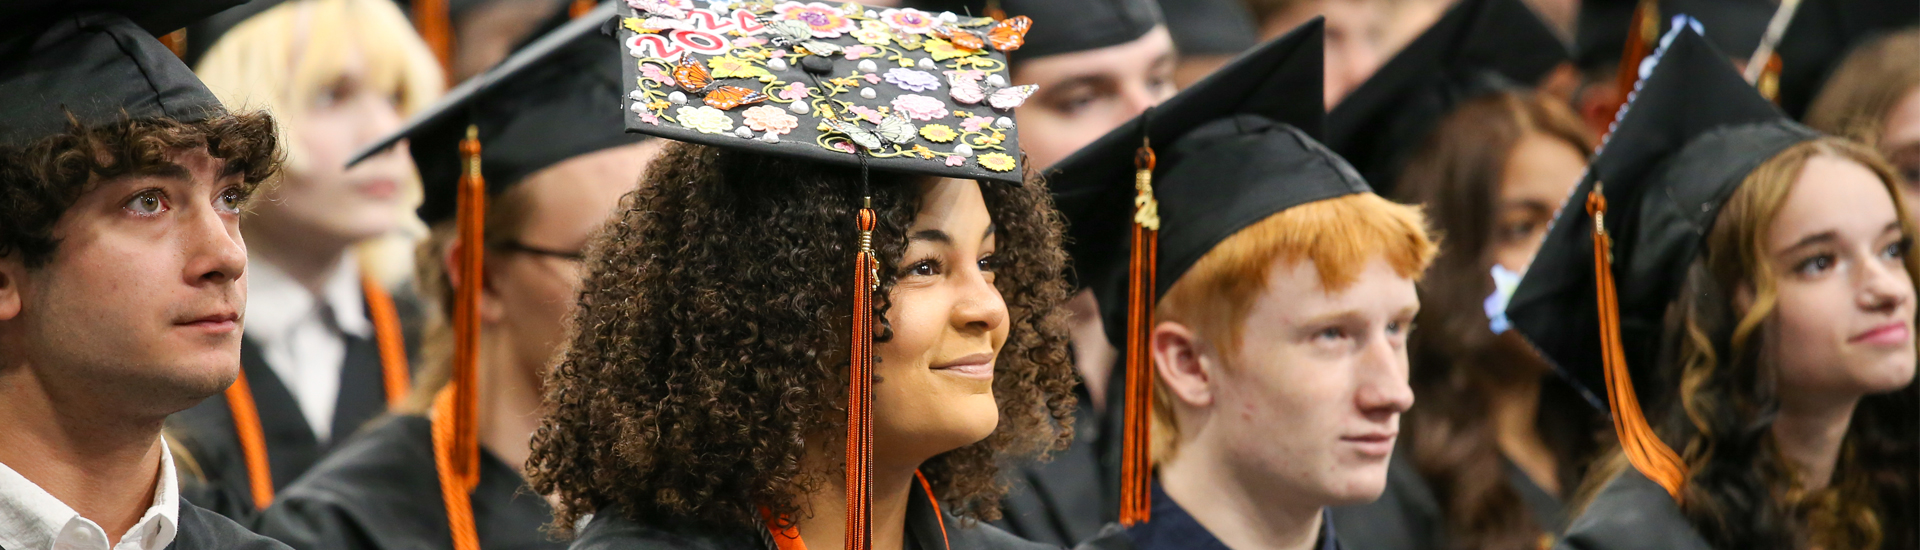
(204, 33)
(1199, 204)
(1065, 26)
(1822, 33)
(1210, 27)
(1734, 26)
(1601, 34)
(922, 104)
(555, 98)
(1692, 132)
(1378, 126)
(99, 60)
(1231, 150)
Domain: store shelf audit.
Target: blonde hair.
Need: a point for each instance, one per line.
(1340, 236)
(283, 58)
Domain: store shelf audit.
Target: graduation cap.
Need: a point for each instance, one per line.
(1476, 47)
(202, 34)
(805, 81)
(97, 60)
(554, 99)
(1821, 34)
(1692, 132)
(1063, 26)
(1148, 199)
(1210, 27)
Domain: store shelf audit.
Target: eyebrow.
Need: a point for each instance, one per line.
(1831, 236)
(942, 237)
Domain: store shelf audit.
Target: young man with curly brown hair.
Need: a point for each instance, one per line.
(121, 273)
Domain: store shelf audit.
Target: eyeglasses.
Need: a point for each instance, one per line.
(518, 246)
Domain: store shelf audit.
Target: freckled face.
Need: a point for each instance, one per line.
(934, 390)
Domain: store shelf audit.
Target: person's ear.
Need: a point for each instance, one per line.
(12, 272)
(491, 310)
(1179, 359)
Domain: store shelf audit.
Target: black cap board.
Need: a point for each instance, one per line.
(1601, 34)
(1734, 26)
(1821, 34)
(1476, 45)
(1210, 27)
(202, 34)
(99, 61)
(1065, 26)
(894, 89)
(1233, 149)
(555, 98)
(1692, 132)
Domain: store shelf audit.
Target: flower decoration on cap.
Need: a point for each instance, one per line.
(910, 21)
(826, 21)
(912, 80)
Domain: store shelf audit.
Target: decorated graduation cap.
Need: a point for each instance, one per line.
(555, 98)
(98, 61)
(1063, 26)
(899, 90)
(1619, 249)
(1210, 27)
(1147, 200)
(1822, 33)
(1477, 46)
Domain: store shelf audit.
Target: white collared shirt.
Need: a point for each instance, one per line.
(32, 519)
(305, 350)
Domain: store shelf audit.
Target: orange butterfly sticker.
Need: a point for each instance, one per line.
(1011, 34)
(693, 77)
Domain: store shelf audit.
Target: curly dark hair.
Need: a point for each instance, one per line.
(710, 342)
(41, 180)
(1457, 362)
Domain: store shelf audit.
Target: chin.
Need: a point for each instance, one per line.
(1888, 375)
(1356, 485)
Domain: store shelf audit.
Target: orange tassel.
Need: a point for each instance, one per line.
(432, 18)
(860, 389)
(579, 8)
(253, 441)
(387, 335)
(1642, 446)
(1136, 468)
(175, 42)
(456, 442)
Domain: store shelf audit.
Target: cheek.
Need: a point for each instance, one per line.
(916, 328)
(1809, 331)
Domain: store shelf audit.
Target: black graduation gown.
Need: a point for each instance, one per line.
(1409, 517)
(380, 491)
(1632, 512)
(611, 530)
(202, 529)
(206, 431)
(1172, 528)
(1065, 500)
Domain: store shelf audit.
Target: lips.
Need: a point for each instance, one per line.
(380, 188)
(1373, 444)
(978, 365)
(1892, 333)
(219, 322)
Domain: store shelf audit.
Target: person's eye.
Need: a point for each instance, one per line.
(924, 268)
(1399, 327)
(1330, 333)
(1815, 265)
(148, 203)
(1897, 250)
(989, 264)
(229, 200)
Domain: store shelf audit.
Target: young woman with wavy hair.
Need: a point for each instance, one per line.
(1757, 278)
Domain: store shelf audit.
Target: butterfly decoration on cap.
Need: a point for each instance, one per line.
(893, 129)
(693, 77)
(791, 33)
(1006, 36)
(973, 87)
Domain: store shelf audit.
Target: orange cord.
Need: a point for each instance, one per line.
(788, 538)
(175, 42)
(859, 457)
(579, 8)
(432, 19)
(253, 441)
(1136, 469)
(388, 336)
(456, 445)
(1640, 38)
(927, 488)
(1642, 446)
